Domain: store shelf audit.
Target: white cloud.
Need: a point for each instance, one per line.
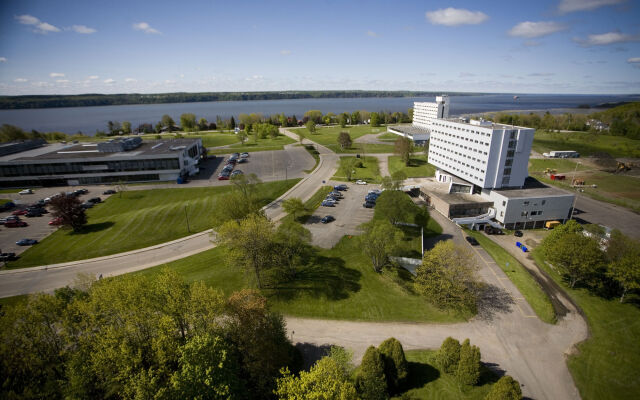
(20, 80)
(92, 77)
(3, 59)
(62, 81)
(83, 29)
(285, 52)
(372, 34)
(131, 80)
(41, 26)
(456, 16)
(530, 29)
(634, 61)
(56, 75)
(145, 27)
(109, 81)
(567, 6)
(604, 39)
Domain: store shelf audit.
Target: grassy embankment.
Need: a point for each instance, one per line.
(426, 381)
(585, 143)
(138, 219)
(521, 278)
(606, 364)
(314, 153)
(418, 166)
(328, 136)
(370, 171)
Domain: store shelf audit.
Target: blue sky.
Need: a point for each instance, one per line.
(547, 46)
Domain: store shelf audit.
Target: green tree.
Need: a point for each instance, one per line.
(292, 242)
(448, 356)
(379, 240)
(343, 119)
(348, 165)
(314, 115)
(311, 126)
(396, 367)
(324, 381)
(126, 127)
(577, 256)
(447, 276)
(167, 122)
(293, 206)
(242, 136)
(188, 122)
(249, 243)
(394, 206)
(344, 140)
(300, 134)
(207, 369)
(371, 383)
(375, 119)
(398, 178)
(626, 271)
(410, 114)
(232, 123)
(356, 118)
(468, 372)
(203, 124)
(404, 148)
(506, 388)
(9, 133)
(69, 210)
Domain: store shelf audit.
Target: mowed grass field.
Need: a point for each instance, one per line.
(418, 166)
(339, 283)
(250, 145)
(526, 284)
(561, 165)
(138, 219)
(370, 171)
(426, 381)
(606, 364)
(328, 136)
(586, 143)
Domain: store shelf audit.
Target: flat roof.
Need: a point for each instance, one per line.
(410, 129)
(83, 150)
(492, 125)
(533, 188)
(441, 191)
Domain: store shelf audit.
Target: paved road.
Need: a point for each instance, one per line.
(611, 215)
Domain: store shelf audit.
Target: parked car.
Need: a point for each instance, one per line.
(19, 212)
(15, 224)
(224, 176)
(340, 187)
(86, 205)
(228, 167)
(235, 155)
(8, 257)
(244, 155)
(26, 191)
(236, 173)
(26, 242)
(337, 194)
(327, 218)
(78, 192)
(328, 203)
(95, 200)
(56, 221)
(7, 206)
(333, 197)
(517, 233)
(369, 204)
(34, 213)
(361, 182)
(472, 241)
(110, 191)
(375, 191)
(242, 160)
(9, 218)
(231, 161)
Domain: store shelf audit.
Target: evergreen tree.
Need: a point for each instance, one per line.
(506, 388)
(371, 383)
(396, 367)
(468, 372)
(448, 356)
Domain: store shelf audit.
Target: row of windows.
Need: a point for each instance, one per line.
(444, 160)
(532, 213)
(446, 149)
(464, 129)
(452, 144)
(88, 167)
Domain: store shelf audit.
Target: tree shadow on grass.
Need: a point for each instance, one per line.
(420, 374)
(91, 228)
(493, 300)
(311, 352)
(326, 277)
(417, 162)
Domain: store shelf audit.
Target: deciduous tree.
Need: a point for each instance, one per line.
(69, 210)
(311, 126)
(188, 122)
(577, 256)
(506, 388)
(396, 367)
(344, 140)
(371, 383)
(292, 241)
(293, 206)
(394, 206)
(348, 165)
(404, 148)
(379, 240)
(343, 119)
(375, 119)
(626, 271)
(448, 356)
(468, 372)
(167, 122)
(126, 127)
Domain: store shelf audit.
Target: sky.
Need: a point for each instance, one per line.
(545, 46)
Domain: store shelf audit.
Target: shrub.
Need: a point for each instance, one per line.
(396, 367)
(506, 388)
(371, 383)
(468, 372)
(448, 356)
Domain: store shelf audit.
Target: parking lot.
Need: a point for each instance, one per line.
(348, 212)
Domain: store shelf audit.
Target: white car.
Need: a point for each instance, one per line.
(361, 182)
(26, 191)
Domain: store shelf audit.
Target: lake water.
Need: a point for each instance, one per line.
(89, 119)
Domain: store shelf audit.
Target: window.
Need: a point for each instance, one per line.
(502, 213)
(524, 213)
(507, 171)
(504, 202)
(544, 202)
(526, 203)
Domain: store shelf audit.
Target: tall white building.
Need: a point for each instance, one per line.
(424, 113)
(485, 154)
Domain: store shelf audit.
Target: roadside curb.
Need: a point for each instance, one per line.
(103, 258)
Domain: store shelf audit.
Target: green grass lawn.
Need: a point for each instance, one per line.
(336, 284)
(418, 166)
(314, 153)
(388, 137)
(426, 381)
(526, 284)
(138, 219)
(562, 165)
(586, 143)
(328, 136)
(10, 190)
(606, 366)
(370, 171)
(311, 205)
(251, 145)
(4, 201)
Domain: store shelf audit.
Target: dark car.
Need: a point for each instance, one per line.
(8, 257)
(337, 194)
(26, 242)
(328, 203)
(472, 241)
(86, 205)
(242, 160)
(327, 219)
(224, 176)
(235, 155)
(95, 200)
(34, 213)
(369, 204)
(236, 173)
(341, 187)
(80, 191)
(231, 161)
(517, 233)
(110, 191)
(7, 206)
(333, 197)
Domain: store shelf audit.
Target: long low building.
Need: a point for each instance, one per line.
(120, 160)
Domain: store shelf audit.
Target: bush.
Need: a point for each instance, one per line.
(448, 356)
(506, 388)
(371, 383)
(468, 372)
(396, 367)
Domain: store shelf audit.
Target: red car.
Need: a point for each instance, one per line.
(20, 212)
(15, 224)
(56, 221)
